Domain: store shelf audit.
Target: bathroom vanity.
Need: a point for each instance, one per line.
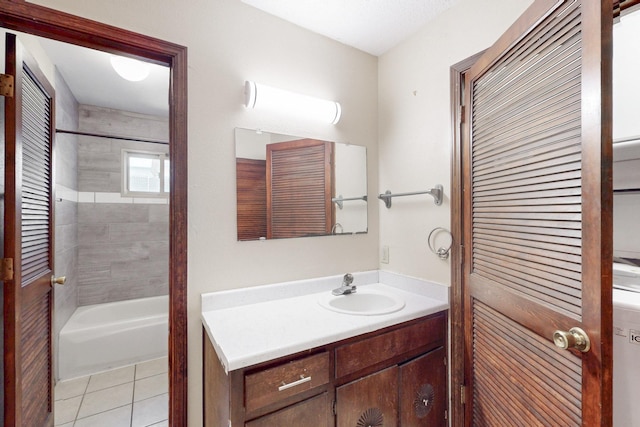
(310, 365)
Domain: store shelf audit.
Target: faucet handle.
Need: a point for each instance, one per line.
(347, 279)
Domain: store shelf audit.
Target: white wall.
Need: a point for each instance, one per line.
(228, 43)
(350, 181)
(626, 68)
(415, 127)
(626, 205)
(626, 92)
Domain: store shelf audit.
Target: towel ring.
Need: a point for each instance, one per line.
(443, 253)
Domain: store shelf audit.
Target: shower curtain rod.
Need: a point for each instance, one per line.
(124, 138)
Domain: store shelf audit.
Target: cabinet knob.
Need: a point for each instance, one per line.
(424, 400)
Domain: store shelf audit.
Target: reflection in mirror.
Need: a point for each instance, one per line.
(289, 186)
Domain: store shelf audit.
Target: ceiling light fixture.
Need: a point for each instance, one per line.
(130, 69)
(261, 96)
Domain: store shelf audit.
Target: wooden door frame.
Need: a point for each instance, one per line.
(457, 72)
(49, 23)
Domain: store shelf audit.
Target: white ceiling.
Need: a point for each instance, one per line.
(93, 81)
(373, 26)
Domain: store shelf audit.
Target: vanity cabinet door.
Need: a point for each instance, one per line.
(369, 401)
(423, 390)
(312, 412)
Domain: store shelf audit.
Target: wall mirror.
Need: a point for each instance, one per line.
(292, 186)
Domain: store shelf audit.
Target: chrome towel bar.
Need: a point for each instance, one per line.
(436, 192)
(338, 200)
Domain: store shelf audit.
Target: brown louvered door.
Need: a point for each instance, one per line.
(28, 298)
(299, 188)
(537, 220)
(251, 199)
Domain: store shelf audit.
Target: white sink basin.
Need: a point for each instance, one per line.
(363, 303)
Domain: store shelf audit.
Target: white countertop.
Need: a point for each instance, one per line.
(254, 325)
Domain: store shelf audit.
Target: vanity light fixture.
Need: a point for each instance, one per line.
(261, 96)
(130, 69)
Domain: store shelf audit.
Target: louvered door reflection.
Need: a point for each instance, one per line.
(29, 116)
(299, 188)
(537, 167)
(251, 199)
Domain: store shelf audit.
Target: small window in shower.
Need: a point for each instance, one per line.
(146, 174)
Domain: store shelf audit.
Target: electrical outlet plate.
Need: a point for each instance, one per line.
(385, 255)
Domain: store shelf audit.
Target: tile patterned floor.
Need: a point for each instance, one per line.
(133, 396)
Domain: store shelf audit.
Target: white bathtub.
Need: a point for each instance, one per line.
(105, 336)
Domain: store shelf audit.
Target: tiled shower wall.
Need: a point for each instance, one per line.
(123, 251)
(123, 243)
(66, 206)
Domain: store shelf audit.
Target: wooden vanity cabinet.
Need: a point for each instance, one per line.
(392, 377)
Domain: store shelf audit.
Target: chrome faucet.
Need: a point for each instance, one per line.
(346, 288)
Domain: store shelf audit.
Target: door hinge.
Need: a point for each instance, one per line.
(6, 269)
(334, 408)
(6, 85)
(462, 114)
(463, 393)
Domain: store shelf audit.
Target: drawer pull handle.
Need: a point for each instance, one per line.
(302, 380)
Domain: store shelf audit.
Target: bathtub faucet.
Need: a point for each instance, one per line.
(346, 288)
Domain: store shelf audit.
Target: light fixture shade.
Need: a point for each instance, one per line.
(130, 69)
(261, 96)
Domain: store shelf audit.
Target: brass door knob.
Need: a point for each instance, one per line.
(58, 280)
(574, 338)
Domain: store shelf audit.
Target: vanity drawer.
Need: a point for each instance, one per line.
(422, 336)
(280, 382)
